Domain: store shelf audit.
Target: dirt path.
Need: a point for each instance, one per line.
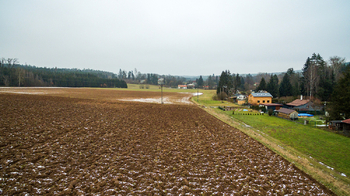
(56, 145)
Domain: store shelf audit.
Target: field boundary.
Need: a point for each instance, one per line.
(330, 179)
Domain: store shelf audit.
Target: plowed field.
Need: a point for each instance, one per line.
(53, 145)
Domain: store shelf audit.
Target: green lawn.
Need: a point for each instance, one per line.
(326, 147)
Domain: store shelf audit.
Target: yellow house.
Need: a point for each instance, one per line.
(241, 102)
(259, 98)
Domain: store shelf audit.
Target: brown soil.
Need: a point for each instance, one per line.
(107, 94)
(69, 146)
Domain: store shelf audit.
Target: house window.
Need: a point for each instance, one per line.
(268, 101)
(264, 101)
(258, 101)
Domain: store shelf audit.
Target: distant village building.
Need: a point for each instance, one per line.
(304, 105)
(287, 113)
(182, 86)
(238, 98)
(259, 98)
(191, 85)
(241, 99)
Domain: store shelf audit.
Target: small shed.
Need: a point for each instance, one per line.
(287, 113)
(346, 127)
(336, 125)
(341, 125)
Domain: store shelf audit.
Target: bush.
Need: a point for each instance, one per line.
(270, 112)
(255, 107)
(220, 96)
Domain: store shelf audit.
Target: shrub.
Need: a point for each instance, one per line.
(220, 96)
(270, 112)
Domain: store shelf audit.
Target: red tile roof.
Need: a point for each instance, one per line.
(298, 102)
(347, 121)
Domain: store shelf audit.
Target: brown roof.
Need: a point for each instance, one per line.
(272, 104)
(298, 102)
(285, 111)
(347, 121)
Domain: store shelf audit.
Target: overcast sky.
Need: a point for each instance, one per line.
(174, 37)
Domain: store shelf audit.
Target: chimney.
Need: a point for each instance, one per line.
(301, 97)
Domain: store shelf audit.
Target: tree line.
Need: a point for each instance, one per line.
(317, 79)
(14, 74)
(137, 77)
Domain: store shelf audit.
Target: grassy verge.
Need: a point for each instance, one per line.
(319, 153)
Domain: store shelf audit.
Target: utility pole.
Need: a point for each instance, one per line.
(161, 82)
(161, 86)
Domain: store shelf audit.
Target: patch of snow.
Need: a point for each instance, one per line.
(149, 100)
(326, 166)
(342, 174)
(195, 94)
(185, 100)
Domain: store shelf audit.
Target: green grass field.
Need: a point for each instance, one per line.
(326, 147)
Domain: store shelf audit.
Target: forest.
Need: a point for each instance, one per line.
(14, 74)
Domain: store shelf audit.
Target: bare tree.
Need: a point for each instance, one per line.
(9, 61)
(311, 78)
(20, 74)
(336, 62)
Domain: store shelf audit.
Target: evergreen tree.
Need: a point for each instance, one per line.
(211, 81)
(242, 87)
(237, 82)
(200, 82)
(272, 86)
(262, 85)
(285, 87)
(225, 82)
(341, 98)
